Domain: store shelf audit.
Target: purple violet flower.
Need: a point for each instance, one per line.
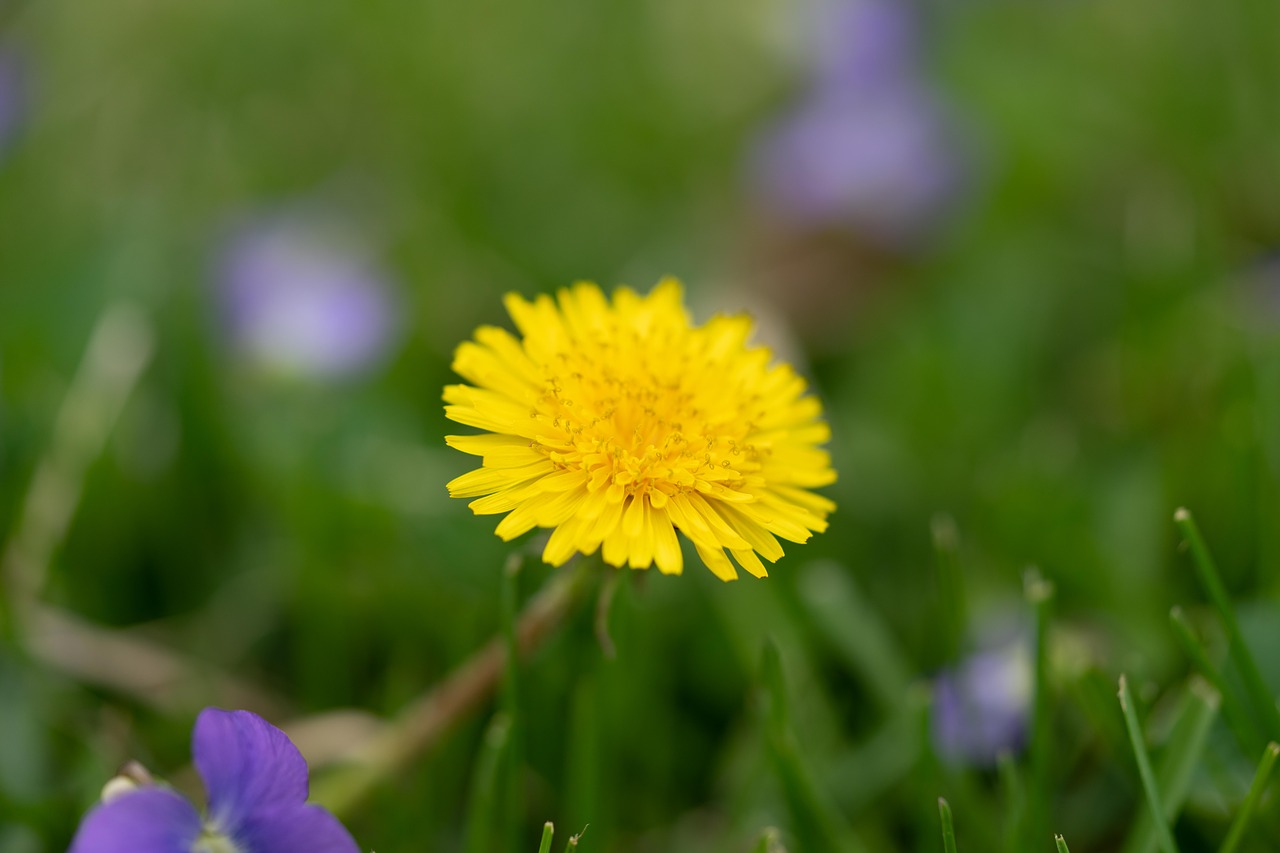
(298, 299)
(867, 146)
(981, 707)
(257, 785)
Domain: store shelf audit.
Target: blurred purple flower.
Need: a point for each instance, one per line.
(13, 92)
(296, 299)
(864, 46)
(867, 146)
(257, 785)
(981, 707)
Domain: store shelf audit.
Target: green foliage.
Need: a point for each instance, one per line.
(1087, 341)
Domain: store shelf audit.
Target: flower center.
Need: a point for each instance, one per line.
(212, 840)
(641, 419)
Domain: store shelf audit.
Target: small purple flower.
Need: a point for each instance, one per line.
(297, 299)
(257, 785)
(981, 707)
(867, 146)
(865, 46)
(880, 167)
(13, 93)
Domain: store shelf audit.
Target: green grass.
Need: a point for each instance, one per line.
(1084, 342)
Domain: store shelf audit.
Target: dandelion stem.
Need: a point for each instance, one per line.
(422, 722)
(604, 602)
(1163, 834)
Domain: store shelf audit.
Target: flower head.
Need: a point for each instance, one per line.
(299, 299)
(866, 145)
(257, 785)
(981, 707)
(618, 422)
(13, 93)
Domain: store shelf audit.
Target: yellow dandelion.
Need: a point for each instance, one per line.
(617, 423)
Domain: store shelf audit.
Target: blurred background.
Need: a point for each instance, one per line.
(1026, 251)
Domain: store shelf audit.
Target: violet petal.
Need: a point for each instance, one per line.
(865, 46)
(149, 820)
(248, 765)
(285, 829)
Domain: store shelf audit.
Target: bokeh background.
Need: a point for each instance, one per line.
(1024, 249)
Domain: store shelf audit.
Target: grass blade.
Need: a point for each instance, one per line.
(857, 632)
(1193, 719)
(1234, 709)
(818, 826)
(951, 597)
(423, 721)
(1061, 844)
(768, 842)
(548, 832)
(1163, 835)
(864, 772)
(948, 829)
(508, 608)
(1039, 593)
(119, 350)
(512, 815)
(1250, 803)
(1012, 795)
(1264, 704)
(584, 789)
(485, 812)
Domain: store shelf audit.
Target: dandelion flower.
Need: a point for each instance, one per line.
(618, 422)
